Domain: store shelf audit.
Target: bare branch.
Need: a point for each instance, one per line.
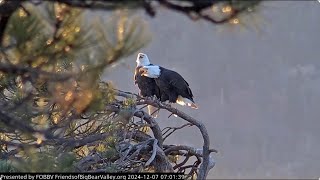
(166, 130)
(153, 125)
(191, 150)
(21, 70)
(205, 152)
(141, 114)
(154, 152)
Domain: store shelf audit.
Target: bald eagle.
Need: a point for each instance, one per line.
(172, 86)
(146, 85)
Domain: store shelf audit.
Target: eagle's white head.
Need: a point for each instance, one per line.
(151, 71)
(142, 60)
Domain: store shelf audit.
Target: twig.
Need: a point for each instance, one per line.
(154, 152)
(173, 129)
(183, 162)
(153, 125)
(191, 150)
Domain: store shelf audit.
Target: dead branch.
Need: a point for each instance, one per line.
(143, 115)
(205, 152)
(153, 124)
(191, 150)
(154, 152)
(166, 130)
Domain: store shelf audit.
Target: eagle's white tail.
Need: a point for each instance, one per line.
(185, 101)
(153, 111)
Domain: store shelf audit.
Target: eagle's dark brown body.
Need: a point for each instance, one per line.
(147, 86)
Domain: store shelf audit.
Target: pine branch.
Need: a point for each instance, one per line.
(195, 6)
(156, 154)
(33, 72)
(198, 6)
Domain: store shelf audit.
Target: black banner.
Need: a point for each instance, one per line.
(91, 176)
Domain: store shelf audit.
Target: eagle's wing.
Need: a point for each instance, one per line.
(180, 83)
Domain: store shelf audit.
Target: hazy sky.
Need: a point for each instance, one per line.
(261, 117)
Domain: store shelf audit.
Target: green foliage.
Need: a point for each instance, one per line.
(112, 168)
(23, 33)
(50, 41)
(110, 153)
(48, 161)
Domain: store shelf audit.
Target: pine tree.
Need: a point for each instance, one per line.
(56, 115)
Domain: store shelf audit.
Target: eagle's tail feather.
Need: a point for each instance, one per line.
(193, 105)
(153, 111)
(185, 101)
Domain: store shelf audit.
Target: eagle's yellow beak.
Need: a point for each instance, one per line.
(143, 71)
